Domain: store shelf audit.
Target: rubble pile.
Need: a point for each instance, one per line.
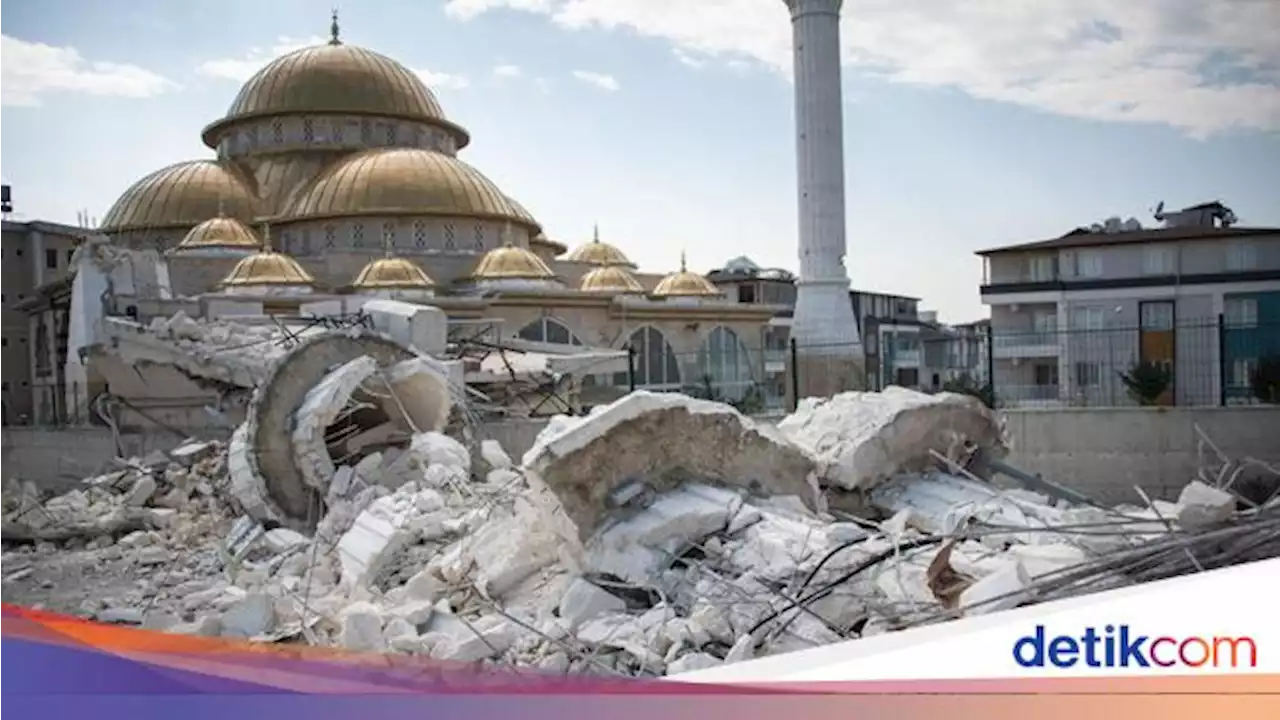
(658, 535)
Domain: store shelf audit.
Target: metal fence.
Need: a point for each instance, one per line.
(1201, 362)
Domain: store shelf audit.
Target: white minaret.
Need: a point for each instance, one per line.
(824, 326)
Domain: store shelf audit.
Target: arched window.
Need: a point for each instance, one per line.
(655, 363)
(548, 330)
(726, 363)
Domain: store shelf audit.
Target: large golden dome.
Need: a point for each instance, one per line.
(392, 273)
(335, 79)
(683, 283)
(182, 195)
(268, 268)
(611, 279)
(220, 233)
(511, 262)
(599, 253)
(403, 181)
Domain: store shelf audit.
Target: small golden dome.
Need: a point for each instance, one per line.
(685, 284)
(403, 181)
(267, 268)
(182, 195)
(510, 262)
(220, 233)
(614, 279)
(335, 79)
(392, 273)
(556, 248)
(599, 253)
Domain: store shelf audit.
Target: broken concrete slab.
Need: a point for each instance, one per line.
(585, 601)
(698, 439)
(1200, 505)
(861, 439)
(320, 407)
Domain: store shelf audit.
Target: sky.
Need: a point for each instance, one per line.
(670, 122)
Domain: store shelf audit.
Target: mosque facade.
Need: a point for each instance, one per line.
(336, 173)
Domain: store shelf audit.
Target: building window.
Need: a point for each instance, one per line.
(872, 337)
(419, 234)
(1242, 312)
(1046, 375)
(70, 254)
(1156, 316)
(1242, 370)
(308, 130)
(366, 132)
(277, 132)
(1090, 263)
(1043, 268)
(1159, 261)
(479, 237)
(330, 237)
(337, 132)
(1090, 318)
(548, 330)
(391, 134)
(389, 235)
(357, 235)
(51, 259)
(655, 363)
(724, 363)
(1242, 257)
(450, 243)
(1088, 374)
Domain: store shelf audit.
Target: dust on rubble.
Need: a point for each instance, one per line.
(643, 539)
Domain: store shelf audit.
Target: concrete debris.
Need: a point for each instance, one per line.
(657, 535)
(863, 439)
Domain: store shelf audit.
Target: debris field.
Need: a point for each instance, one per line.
(656, 535)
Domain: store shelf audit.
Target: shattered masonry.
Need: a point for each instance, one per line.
(657, 535)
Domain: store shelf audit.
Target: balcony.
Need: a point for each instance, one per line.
(1029, 344)
(906, 358)
(775, 361)
(1013, 396)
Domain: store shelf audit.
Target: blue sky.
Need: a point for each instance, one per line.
(669, 122)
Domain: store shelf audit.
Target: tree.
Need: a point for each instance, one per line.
(1265, 381)
(966, 384)
(1147, 381)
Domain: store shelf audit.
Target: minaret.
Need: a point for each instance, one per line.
(824, 327)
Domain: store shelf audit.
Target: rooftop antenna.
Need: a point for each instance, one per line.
(333, 29)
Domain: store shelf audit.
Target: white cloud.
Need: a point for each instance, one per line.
(600, 80)
(1199, 65)
(507, 71)
(687, 59)
(31, 70)
(442, 81)
(243, 68)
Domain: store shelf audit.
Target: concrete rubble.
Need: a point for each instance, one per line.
(658, 535)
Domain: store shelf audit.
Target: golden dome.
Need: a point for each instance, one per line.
(220, 233)
(614, 279)
(392, 273)
(599, 253)
(556, 248)
(683, 283)
(182, 195)
(403, 181)
(335, 79)
(267, 268)
(510, 262)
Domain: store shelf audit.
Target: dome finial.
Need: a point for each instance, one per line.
(266, 237)
(683, 265)
(222, 206)
(333, 29)
(595, 232)
(506, 235)
(388, 242)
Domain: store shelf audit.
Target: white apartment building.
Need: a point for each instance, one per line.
(1198, 295)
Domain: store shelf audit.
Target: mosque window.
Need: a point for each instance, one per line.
(308, 130)
(419, 137)
(253, 137)
(330, 237)
(366, 132)
(277, 132)
(419, 234)
(389, 234)
(450, 242)
(337, 131)
(548, 330)
(305, 245)
(479, 237)
(725, 364)
(357, 235)
(391, 133)
(655, 363)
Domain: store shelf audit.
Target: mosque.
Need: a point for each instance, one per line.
(336, 175)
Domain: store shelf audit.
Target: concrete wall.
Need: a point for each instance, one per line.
(1101, 452)
(1104, 452)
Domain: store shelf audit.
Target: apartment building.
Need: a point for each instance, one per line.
(1199, 296)
(890, 324)
(953, 352)
(32, 254)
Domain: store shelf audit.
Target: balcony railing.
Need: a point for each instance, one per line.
(1012, 395)
(1036, 338)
